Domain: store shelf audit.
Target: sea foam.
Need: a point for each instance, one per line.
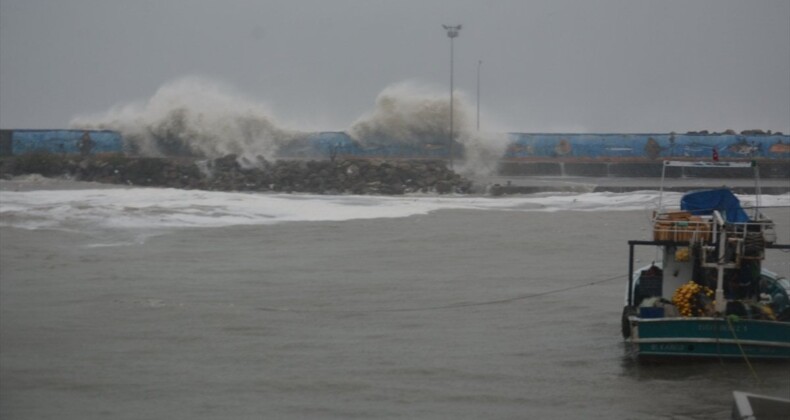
(153, 209)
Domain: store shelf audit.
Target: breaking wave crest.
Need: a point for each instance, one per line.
(194, 116)
(419, 116)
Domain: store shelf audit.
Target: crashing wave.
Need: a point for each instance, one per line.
(197, 117)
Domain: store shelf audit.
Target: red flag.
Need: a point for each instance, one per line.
(715, 155)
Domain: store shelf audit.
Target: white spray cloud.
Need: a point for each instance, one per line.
(411, 115)
(194, 115)
(197, 116)
(417, 115)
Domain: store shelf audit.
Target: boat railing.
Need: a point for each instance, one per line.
(682, 226)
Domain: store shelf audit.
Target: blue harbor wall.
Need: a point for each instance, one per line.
(20, 142)
(641, 155)
(527, 154)
(565, 146)
(647, 146)
(339, 143)
(583, 155)
(522, 146)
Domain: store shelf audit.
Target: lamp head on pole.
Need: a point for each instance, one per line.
(452, 31)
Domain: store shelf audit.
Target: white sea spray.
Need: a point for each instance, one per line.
(195, 116)
(418, 116)
(203, 117)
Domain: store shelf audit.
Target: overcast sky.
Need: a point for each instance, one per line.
(553, 65)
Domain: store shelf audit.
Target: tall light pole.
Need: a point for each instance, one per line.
(479, 63)
(452, 32)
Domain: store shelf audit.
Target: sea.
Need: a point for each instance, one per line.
(130, 303)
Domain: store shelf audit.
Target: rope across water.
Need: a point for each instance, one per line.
(451, 305)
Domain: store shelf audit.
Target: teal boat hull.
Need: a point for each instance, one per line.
(709, 337)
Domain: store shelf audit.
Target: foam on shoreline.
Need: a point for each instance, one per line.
(153, 209)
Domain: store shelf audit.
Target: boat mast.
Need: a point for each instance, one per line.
(661, 190)
(757, 191)
(721, 305)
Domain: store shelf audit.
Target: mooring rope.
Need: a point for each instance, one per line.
(451, 305)
(743, 353)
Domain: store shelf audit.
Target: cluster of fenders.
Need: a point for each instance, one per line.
(521, 146)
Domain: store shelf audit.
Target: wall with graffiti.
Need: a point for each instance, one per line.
(19, 142)
(646, 146)
(341, 144)
(522, 146)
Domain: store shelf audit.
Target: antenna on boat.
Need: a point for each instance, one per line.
(661, 189)
(757, 192)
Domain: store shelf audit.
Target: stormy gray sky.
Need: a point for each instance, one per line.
(548, 65)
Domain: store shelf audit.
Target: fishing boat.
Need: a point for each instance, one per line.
(707, 295)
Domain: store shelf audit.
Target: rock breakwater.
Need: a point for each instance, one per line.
(349, 176)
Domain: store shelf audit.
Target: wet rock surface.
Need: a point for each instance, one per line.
(357, 176)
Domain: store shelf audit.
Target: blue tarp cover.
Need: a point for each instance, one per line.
(723, 200)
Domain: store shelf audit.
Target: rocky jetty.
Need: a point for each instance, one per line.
(352, 176)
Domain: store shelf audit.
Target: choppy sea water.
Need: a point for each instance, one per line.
(157, 303)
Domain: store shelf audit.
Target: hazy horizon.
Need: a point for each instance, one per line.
(547, 66)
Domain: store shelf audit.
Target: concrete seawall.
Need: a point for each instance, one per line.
(769, 169)
(510, 185)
